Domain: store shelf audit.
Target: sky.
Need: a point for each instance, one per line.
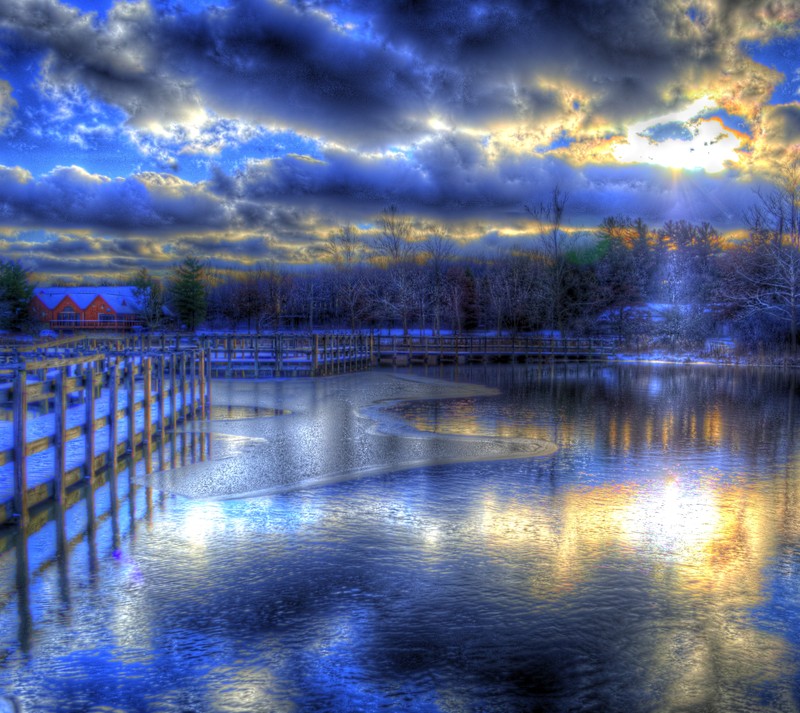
(245, 132)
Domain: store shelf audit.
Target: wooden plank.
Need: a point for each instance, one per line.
(162, 420)
(113, 421)
(202, 378)
(148, 413)
(89, 424)
(20, 447)
(172, 392)
(183, 387)
(60, 435)
(131, 409)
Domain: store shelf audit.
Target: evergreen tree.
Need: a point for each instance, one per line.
(188, 292)
(15, 296)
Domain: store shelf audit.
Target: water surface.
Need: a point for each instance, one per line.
(648, 564)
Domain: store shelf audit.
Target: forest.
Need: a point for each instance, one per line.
(672, 287)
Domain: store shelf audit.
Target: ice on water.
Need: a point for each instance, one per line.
(325, 430)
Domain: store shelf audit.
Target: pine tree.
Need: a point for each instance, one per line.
(189, 293)
(15, 296)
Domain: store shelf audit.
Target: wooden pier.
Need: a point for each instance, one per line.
(117, 505)
(284, 355)
(81, 415)
(229, 355)
(451, 349)
(281, 355)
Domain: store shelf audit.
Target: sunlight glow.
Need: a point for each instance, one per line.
(701, 144)
(437, 124)
(202, 520)
(674, 519)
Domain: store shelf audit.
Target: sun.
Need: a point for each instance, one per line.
(684, 140)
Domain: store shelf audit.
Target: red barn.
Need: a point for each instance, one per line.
(86, 307)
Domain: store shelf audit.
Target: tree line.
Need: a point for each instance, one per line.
(674, 285)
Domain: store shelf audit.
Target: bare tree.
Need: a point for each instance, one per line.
(438, 251)
(514, 285)
(396, 294)
(345, 246)
(395, 242)
(346, 249)
(554, 242)
(763, 280)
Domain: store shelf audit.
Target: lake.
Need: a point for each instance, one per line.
(484, 538)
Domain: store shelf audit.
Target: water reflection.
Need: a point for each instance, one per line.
(626, 572)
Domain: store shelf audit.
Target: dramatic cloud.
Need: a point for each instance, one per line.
(71, 197)
(283, 119)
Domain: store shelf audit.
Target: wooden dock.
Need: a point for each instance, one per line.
(451, 349)
(284, 355)
(117, 505)
(71, 421)
(229, 355)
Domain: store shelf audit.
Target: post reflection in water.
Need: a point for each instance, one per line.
(648, 565)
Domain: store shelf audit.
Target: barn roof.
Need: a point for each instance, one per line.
(121, 299)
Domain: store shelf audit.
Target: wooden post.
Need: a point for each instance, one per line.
(23, 591)
(192, 383)
(256, 342)
(131, 406)
(113, 397)
(89, 425)
(62, 543)
(78, 374)
(173, 387)
(21, 448)
(162, 420)
(60, 412)
(183, 387)
(229, 356)
(132, 488)
(315, 355)
(208, 385)
(201, 367)
(147, 435)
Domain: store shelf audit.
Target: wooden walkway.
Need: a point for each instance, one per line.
(283, 354)
(70, 421)
(403, 351)
(229, 355)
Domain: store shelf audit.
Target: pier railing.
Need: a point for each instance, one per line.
(70, 419)
(286, 354)
(462, 349)
(229, 355)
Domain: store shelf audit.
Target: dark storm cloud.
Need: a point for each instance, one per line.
(400, 65)
(115, 61)
(253, 60)
(278, 202)
(623, 54)
(783, 124)
(450, 175)
(72, 198)
(452, 178)
(268, 62)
